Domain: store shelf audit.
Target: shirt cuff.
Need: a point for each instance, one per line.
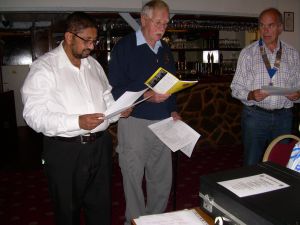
(72, 123)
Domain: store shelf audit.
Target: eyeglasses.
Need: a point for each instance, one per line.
(271, 26)
(159, 24)
(85, 41)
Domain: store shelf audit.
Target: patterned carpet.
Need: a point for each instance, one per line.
(24, 196)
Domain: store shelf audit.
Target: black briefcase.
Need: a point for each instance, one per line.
(280, 207)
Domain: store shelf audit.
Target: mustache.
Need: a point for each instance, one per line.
(159, 34)
(88, 49)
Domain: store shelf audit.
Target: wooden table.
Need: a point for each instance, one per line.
(203, 214)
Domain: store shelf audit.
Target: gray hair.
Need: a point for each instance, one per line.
(152, 5)
(274, 11)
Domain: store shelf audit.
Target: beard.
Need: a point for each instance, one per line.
(81, 55)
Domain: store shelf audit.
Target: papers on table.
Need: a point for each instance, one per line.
(126, 101)
(272, 90)
(253, 185)
(182, 217)
(176, 135)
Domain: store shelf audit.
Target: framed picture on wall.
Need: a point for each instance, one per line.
(288, 21)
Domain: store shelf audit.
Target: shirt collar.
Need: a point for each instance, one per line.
(277, 46)
(65, 59)
(140, 40)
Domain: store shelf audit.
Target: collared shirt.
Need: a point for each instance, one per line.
(251, 74)
(140, 39)
(55, 93)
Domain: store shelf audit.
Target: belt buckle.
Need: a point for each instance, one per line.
(82, 140)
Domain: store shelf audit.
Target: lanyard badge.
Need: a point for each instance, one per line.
(271, 71)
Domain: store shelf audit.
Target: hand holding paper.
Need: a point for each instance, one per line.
(127, 112)
(272, 90)
(176, 135)
(126, 101)
(90, 121)
(164, 82)
(156, 97)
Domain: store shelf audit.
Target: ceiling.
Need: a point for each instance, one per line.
(23, 20)
(11, 21)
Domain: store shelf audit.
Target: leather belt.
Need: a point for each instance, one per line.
(268, 110)
(82, 139)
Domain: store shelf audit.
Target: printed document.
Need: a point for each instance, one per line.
(182, 217)
(272, 90)
(162, 81)
(177, 135)
(253, 185)
(126, 101)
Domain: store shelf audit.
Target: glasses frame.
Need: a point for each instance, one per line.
(158, 24)
(86, 41)
(271, 26)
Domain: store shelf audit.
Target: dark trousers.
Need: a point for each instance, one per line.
(79, 177)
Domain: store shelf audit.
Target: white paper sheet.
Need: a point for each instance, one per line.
(253, 185)
(272, 90)
(182, 217)
(177, 135)
(126, 101)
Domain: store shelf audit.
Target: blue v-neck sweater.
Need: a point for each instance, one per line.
(131, 65)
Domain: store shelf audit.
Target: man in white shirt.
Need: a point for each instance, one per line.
(64, 96)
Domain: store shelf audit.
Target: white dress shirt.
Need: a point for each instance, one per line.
(55, 93)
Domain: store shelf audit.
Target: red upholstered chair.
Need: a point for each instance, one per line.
(279, 152)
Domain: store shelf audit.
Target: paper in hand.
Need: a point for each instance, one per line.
(272, 90)
(162, 81)
(177, 135)
(126, 101)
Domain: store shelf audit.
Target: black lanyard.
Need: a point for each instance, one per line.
(271, 71)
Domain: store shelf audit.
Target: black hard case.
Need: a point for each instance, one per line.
(280, 207)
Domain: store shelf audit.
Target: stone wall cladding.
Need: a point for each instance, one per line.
(210, 109)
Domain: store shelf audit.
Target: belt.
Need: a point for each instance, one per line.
(268, 110)
(82, 139)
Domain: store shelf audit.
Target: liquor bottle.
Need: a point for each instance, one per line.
(221, 63)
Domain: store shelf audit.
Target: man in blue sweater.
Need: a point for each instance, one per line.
(134, 59)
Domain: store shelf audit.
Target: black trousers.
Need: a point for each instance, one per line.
(79, 177)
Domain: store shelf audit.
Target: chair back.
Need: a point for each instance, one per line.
(279, 152)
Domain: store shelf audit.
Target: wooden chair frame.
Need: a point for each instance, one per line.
(275, 141)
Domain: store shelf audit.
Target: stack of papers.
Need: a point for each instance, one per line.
(253, 185)
(126, 101)
(183, 217)
(272, 90)
(177, 135)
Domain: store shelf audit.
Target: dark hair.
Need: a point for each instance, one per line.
(78, 21)
(275, 11)
(152, 5)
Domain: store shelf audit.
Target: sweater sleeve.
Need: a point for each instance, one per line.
(118, 69)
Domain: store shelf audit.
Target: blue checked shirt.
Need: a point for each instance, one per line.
(251, 74)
